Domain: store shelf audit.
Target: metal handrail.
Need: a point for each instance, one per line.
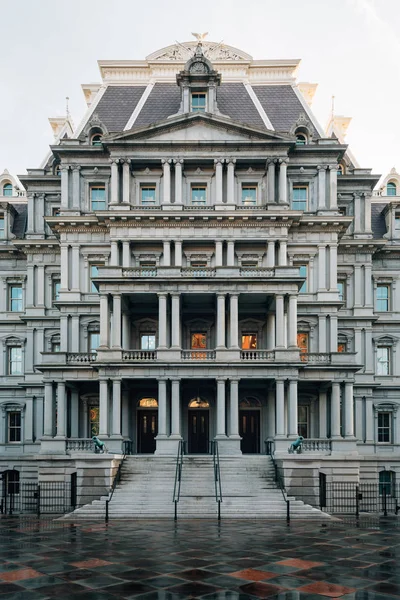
(178, 476)
(116, 480)
(217, 476)
(281, 485)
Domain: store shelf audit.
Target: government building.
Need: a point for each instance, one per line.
(200, 260)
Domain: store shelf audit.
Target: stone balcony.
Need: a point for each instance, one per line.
(278, 272)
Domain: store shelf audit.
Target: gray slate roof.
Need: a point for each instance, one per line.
(117, 104)
(19, 225)
(164, 101)
(378, 223)
(234, 101)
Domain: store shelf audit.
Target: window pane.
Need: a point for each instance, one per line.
(383, 360)
(391, 189)
(16, 298)
(148, 195)
(94, 342)
(1, 228)
(56, 290)
(7, 189)
(249, 196)
(199, 195)
(14, 427)
(300, 195)
(15, 360)
(249, 341)
(199, 340)
(148, 342)
(98, 198)
(198, 102)
(94, 271)
(341, 288)
(303, 273)
(382, 298)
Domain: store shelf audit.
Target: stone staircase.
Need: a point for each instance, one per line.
(147, 485)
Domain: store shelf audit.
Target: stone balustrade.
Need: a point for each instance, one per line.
(81, 357)
(255, 355)
(198, 354)
(139, 355)
(225, 272)
(316, 445)
(79, 445)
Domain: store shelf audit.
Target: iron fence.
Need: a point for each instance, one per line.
(48, 497)
(350, 498)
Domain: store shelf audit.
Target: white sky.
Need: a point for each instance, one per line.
(351, 48)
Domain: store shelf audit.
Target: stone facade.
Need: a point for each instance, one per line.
(199, 260)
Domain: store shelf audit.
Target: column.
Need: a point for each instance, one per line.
(178, 253)
(116, 408)
(30, 288)
(322, 333)
(369, 420)
(271, 180)
(126, 180)
(333, 333)
(231, 181)
(125, 414)
(75, 268)
(333, 267)
(28, 421)
(48, 409)
(234, 409)
(367, 213)
(75, 333)
(178, 180)
(357, 213)
(349, 410)
(333, 187)
(103, 408)
(221, 429)
(231, 254)
(321, 268)
(114, 258)
(64, 189)
(162, 321)
(280, 408)
(117, 321)
(234, 321)
(283, 181)
(271, 331)
(40, 285)
(293, 425)
(114, 181)
(176, 320)
(74, 406)
(126, 331)
(292, 322)
(271, 429)
(76, 188)
(218, 253)
(162, 408)
(63, 333)
(221, 321)
(335, 411)
(166, 180)
(167, 253)
(218, 180)
(175, 409)
(357, 285)
(126, 254)
(271, 254)
(64, 267)
(279, 321)
(104, 321)
(282, 256)
(322, 403)
(61, 409)
(321, 187)
(368, 285)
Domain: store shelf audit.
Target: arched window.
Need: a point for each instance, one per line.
(340, 170)
(96, 139)
(301, 139)
(391, 189)
(148, 403)
(11, 481)
(199, 403)
(7, 189)
(250, 402)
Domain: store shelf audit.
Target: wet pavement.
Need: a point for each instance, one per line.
(234, 560)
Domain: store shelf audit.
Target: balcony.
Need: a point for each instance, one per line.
(176, 273)
(78, 358)
(198, 355)
(257, 355)
(328, 358)
(139, 355)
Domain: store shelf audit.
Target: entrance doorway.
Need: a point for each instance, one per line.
(198, 426)
(249, 425)
(147, 425)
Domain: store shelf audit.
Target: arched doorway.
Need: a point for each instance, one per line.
(198, 426)
(249, 425)
(147, 425)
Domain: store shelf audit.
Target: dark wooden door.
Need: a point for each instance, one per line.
(198, 431)
(147, 428)
(249, 430)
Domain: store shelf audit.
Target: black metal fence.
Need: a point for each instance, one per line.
(357, 498)
(56, 497)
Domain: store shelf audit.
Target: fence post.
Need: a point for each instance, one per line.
(384, 500)
(357, 501)
(107, 511)
(288, 511)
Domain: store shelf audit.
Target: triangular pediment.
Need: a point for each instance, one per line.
(199, 127)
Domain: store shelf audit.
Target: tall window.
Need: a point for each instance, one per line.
(98, 197)
(198, 102)
(300, 197)
(303, 273)
(2, 229)
(397, 225)
(94, 341)
(302, 343)
(7, 189)
(15, 300)
(147, 195)
(387, 483)
(383, 360)
(55, 343)
(303, 420)
(382, 298)
(341, 284)
(384, 427)
(199, 195)
(15, 360)
(94, 271)
(148, 341)
(14, 427)
(56, 289)
(249, 341)
(94, 420)
(391, 189)
(249, 195)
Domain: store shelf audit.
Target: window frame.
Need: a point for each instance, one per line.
(6, 188)
(342, 294)
(93, 289)
(92, 335)
(14, 427)
(19, 300)
(12, 361)
(2, 227)
(380, 286)
(300, 186)
(248, 186)
(304, 287)
(252, 334)
(392, 186)
(150, 334)
(386, 362)
(148, 187)
(55, 289)
(384, 428)
(97, 186)
(199, 186)
(197, 109)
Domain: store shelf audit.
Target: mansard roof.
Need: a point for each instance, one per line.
(378, 223)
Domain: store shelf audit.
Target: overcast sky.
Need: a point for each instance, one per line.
(351, 48)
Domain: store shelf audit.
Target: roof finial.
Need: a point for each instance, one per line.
(67, 106)
(200, 37)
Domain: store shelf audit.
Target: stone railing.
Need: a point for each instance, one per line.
(256, 272)
(198, 355)
(139, 355)
(224, 272)
(197, 272)
(316, 445)
(80, 445)
(315, 358)
(81, 357)
(250, 207)
(199, 207)
(140, 272)
(257, 355)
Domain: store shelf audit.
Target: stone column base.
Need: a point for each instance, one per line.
(51, 445)
(228, 445)
(167, 446)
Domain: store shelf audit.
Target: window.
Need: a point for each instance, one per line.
(302, 343)
(15, 301)
(249, 264)
(94, 420)
(340, 170)
(301, 139)
(198, 264)
(342, 210)
(148, 342)
(94, 271)
(249, 195)
(55, 345)
(249, 341)
(396, 226)
(342, 346)
(2, 230)
(147, 195)
(57, 171)
(199, 195)
(382, 298)
(55, 211)
(303, 420)
(341, 284)
(198, 102)
(14, 427)
(303, 273)
(383, 360)
(8, 189)
(15, 360)
(300, 196)
(198, 341)
(56, 289)
(391, 189)
(98, 197)
(384, 427)
(96, 139)
(94, 341)
(387, 483)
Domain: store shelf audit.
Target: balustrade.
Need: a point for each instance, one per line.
(80, 445)
(81, 357)
(198, 355)
(257, 355)
(316, 445)
(315, 357)
(138, 355)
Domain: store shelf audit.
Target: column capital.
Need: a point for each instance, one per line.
(321, 167)
(166, 161)
(283, 161)
(221, 379)
(235, 295)
(178, 161)
(114, 160)
(220, 295)
(64, 168)
(230, 161)
(126, 161)
(218, 161)
(175, 380)
(235, 379)
(116, 379)
(162, 379)
(162, 294)
(176, 294)
(270, 161)
(333, 167)
(76, 167)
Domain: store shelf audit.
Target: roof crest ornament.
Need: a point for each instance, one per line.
(200, 37)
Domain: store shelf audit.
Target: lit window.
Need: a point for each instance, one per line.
(96, 139)
(14, 427)
(56, 289)
(198, 264)
(391, 189)
(94, 341)
(302, 343)
(148, 342)
(198, 341)
(342, 290)
(303, 273)
(98, 197)
(94, 271)
(249, 341)
(199, 102)
(300, 196)
(384, 427)
(147, 195)
(15, 360)
(383, 360)
(16, 298)
(2, 230)
(342, 346)
(249, 195)
(199, 195)
(94, 420)
(303, 420)
(301, 139)
(382, 298)
(7, 189)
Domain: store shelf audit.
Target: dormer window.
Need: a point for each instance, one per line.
(340, 170)
(391, 189)
(198, 102)
(301, 139)
(7, 189)
(96, 139)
